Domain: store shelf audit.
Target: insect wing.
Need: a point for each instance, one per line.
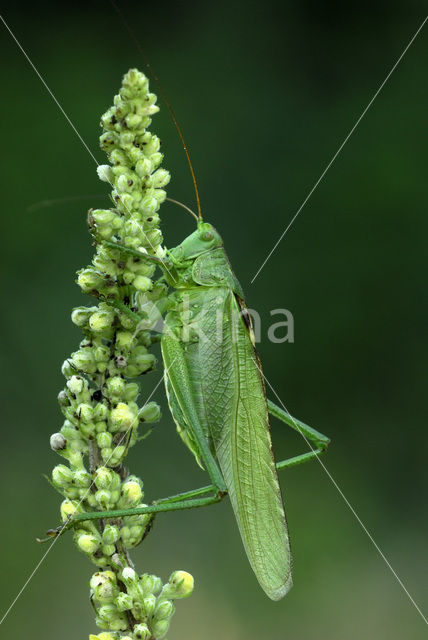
(236, 413)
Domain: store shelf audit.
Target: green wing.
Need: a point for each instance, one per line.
(237, 414)
(229, 400)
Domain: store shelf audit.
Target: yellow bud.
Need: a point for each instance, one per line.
(87, 543)
(122, 417)
(124, 339)
(131, 492)
(180, 585)
(69, 509)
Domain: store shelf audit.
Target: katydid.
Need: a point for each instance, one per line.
(217, 398)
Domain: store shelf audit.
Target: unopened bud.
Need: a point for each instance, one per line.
(150, 412)
(103, 584)
(124, 602)
(164, 610)
(180, 585)
(57, 442)
(62, 475)
(142, 632)
(87, 542)
(104, 173)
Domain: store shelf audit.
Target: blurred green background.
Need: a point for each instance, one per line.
(265, 93)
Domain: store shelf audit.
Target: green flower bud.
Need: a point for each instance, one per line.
(117, 157)
(160, 178)
(106, 455)
(101, 412)
(103, 216)
(142, 283)
(101, 320)
(154, 236)
(124, 340)
(115, 387)
(104, 586)
(156, 159)
(70, 431)
(129, 576)
(126, 139)
(149, 603)
(89, 279)
(140, 362)
(87, 429)
(124, 184)
(150, 412)
(102, 353)
(85, 412)
(131, 391)
(67, 369)
(160, 628)
(108, 549)
(106, 478)
(110, 534)
(104, 636)
(128, 277)
(125, 202)
(88, 543)
(57, 442)
(147, 582)
(152, 143)
(164, 610)
(104, 498)
(62, 475)
(156, 584)
(149, 205)
(100, 427)
(120, 624)
(109, 613)
(84, 360)
(143, 167)
(82, 478)
(132, 535)
(160, 196)
(122, 418)
(142, 632)
(124, 602)
(76, 385)
(80, 316)
(108, 140)
(104, 263)
(130, 493)
(104, 439)
(180, 585)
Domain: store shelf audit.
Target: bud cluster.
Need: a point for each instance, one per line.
(100, 399)
(117, 597)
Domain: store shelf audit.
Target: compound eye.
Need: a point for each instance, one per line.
(207, 236)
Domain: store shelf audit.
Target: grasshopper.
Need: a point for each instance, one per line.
(216, 394)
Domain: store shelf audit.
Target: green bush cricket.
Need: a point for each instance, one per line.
(217, 398)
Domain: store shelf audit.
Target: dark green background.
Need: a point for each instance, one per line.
(265, 93)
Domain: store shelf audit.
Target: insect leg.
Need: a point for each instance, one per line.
(156, 507)
(304, 457)
(319, 439)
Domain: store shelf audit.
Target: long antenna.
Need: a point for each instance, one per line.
(180, 204)
(167, 102)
